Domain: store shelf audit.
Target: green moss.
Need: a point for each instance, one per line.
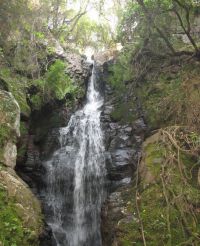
(154, 157)
(8, 109)
(12, 232)
(120, 78)
(21, 151)
(23, 128)
(8, 114)
(120, 71)
(124, 112)
(167, 88)
(169, 204)
(17, 85)
(171, 97)
(4, 134)
(37, 101)
(118, 113)
(57, 81)
(54, 85)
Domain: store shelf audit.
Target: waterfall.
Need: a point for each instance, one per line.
(75, 176)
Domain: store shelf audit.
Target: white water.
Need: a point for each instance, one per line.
(75, 177)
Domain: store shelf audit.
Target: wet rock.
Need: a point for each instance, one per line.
(44, 129)
(112, 213)
(78, 67)
(123, 149)
(139, 126)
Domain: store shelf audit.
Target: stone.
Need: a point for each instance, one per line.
(10, 154)
(9, 125)
(139, 126)
(123, 149)
(23, 200)
(9, 112)
(27, 206)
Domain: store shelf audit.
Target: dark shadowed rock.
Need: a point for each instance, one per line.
(123, 148)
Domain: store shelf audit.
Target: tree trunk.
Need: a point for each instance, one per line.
(186, 30)
(161, 33)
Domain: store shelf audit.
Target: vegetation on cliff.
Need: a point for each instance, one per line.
(159, 66)
(165, 198)
(20, 213)
(157, 71)
(37, 39)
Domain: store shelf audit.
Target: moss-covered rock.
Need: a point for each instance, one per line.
(21, 220)
(10, 112)
(17, 85)
(9, 128)
(20, 212)
(171, 95)
(165, 202)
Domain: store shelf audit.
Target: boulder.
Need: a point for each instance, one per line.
(19, 208)
(26, 204)
(9, 128)
(9, 112)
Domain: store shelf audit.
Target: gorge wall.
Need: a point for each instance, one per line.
(150, 155)
(25, 125)
(21, 214)
(151, 111)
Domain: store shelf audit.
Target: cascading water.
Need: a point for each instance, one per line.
(75, 177)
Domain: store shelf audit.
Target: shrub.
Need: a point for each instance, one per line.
(11, 228)
(121, 71)
(54, 85)
(58, 83)
(4, 134)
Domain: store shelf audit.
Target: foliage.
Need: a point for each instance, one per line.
(55, 84)
(17, 86)
(157, 24)
(168, 98)
(21, 151)
(4, 134)
(57, 81)
(120, 71)
(167, 196)
(125, 112)
(89, 33)
(12, 232)
(27, 26)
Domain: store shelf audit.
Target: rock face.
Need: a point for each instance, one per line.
(21, 204)
(123, 145)
(10, 153)
(26, 204)
(122, 142)
(9, 121)
(10, 112)
(78, 67)
(145, 205)
(43, 135)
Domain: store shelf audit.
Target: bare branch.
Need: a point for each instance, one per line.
(161, 33)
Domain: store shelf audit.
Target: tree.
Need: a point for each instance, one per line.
(186, 7)
(154, 20)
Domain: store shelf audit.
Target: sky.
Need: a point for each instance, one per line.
(93, 13)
